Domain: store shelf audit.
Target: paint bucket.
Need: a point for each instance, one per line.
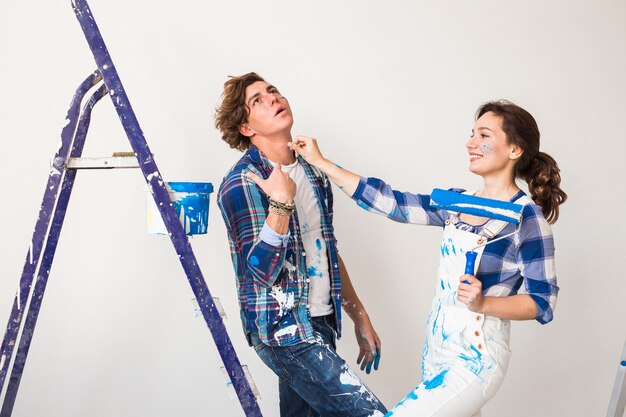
(191, 203)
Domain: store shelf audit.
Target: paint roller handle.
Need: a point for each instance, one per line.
(469, 264)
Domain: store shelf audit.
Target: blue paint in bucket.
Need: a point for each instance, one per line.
(191, 203)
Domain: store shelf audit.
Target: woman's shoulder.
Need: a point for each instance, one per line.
(534, 226)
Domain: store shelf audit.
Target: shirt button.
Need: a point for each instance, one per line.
(303, 253)
(476, 333)
(477, 318)
(480, 346)
(308, 280)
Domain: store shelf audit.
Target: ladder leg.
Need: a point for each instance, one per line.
(41, 227)
(51, 239)
(162, 199)
(617, 404)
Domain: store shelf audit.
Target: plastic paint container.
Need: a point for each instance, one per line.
(191, 203)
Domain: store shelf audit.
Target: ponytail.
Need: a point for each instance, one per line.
(537, 168)
(544, 179)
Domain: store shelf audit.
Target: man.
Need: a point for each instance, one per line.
(290, 279)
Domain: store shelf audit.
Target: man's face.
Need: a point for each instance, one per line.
(268, 111)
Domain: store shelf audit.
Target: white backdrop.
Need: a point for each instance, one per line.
(390, 90)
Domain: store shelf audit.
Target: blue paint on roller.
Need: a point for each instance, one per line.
(477, 206)
(436, 381)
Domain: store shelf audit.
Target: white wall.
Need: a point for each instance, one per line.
(390, 90)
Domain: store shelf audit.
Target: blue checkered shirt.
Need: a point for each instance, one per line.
(272, 278)
(519, 264)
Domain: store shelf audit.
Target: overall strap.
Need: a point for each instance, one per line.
(493, 227)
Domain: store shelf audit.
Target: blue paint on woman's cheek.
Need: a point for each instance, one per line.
(436, 381)
(254, 261)
(318, 243)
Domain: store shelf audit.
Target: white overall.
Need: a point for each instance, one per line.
(466, 354)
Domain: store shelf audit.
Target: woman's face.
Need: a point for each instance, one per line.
(488, 148)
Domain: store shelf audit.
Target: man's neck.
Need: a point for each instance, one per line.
(276, 148)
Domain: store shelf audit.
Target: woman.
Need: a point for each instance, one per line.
(466, 351)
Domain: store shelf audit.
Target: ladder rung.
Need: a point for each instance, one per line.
(102, 162)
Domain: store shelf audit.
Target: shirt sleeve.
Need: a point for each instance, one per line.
(272, 237)
(535, 256)
(374, 195)
(244, 210)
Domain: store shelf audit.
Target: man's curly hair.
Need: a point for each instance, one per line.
(233, 111)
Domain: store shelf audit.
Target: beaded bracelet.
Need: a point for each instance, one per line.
(281, 209)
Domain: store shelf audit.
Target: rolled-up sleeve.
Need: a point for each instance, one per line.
(537, 265)
(374, 195)
(260, 252)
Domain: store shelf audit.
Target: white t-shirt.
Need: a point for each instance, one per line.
(309, 218)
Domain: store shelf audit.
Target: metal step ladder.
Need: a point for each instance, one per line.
(618, 397)
(66, 163)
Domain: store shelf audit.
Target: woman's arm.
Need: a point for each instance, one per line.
(536, 298)
(514, 307)
(372, 194)
(308, 149)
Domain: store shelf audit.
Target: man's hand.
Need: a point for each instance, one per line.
(279, 186)
(369, 344)
(470, 292)
(308, 149)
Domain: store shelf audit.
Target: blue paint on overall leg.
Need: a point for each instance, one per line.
(436, 381)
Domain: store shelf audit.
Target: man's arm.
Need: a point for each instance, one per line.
(260, 237)
(367, 338)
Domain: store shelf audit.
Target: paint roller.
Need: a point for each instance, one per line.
(477, 206)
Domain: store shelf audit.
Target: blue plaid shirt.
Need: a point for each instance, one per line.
(519, 264)
(272, 278)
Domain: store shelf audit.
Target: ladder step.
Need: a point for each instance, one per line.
(102, 162)
(248, 375)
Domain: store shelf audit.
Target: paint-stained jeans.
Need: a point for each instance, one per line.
(315, 381)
